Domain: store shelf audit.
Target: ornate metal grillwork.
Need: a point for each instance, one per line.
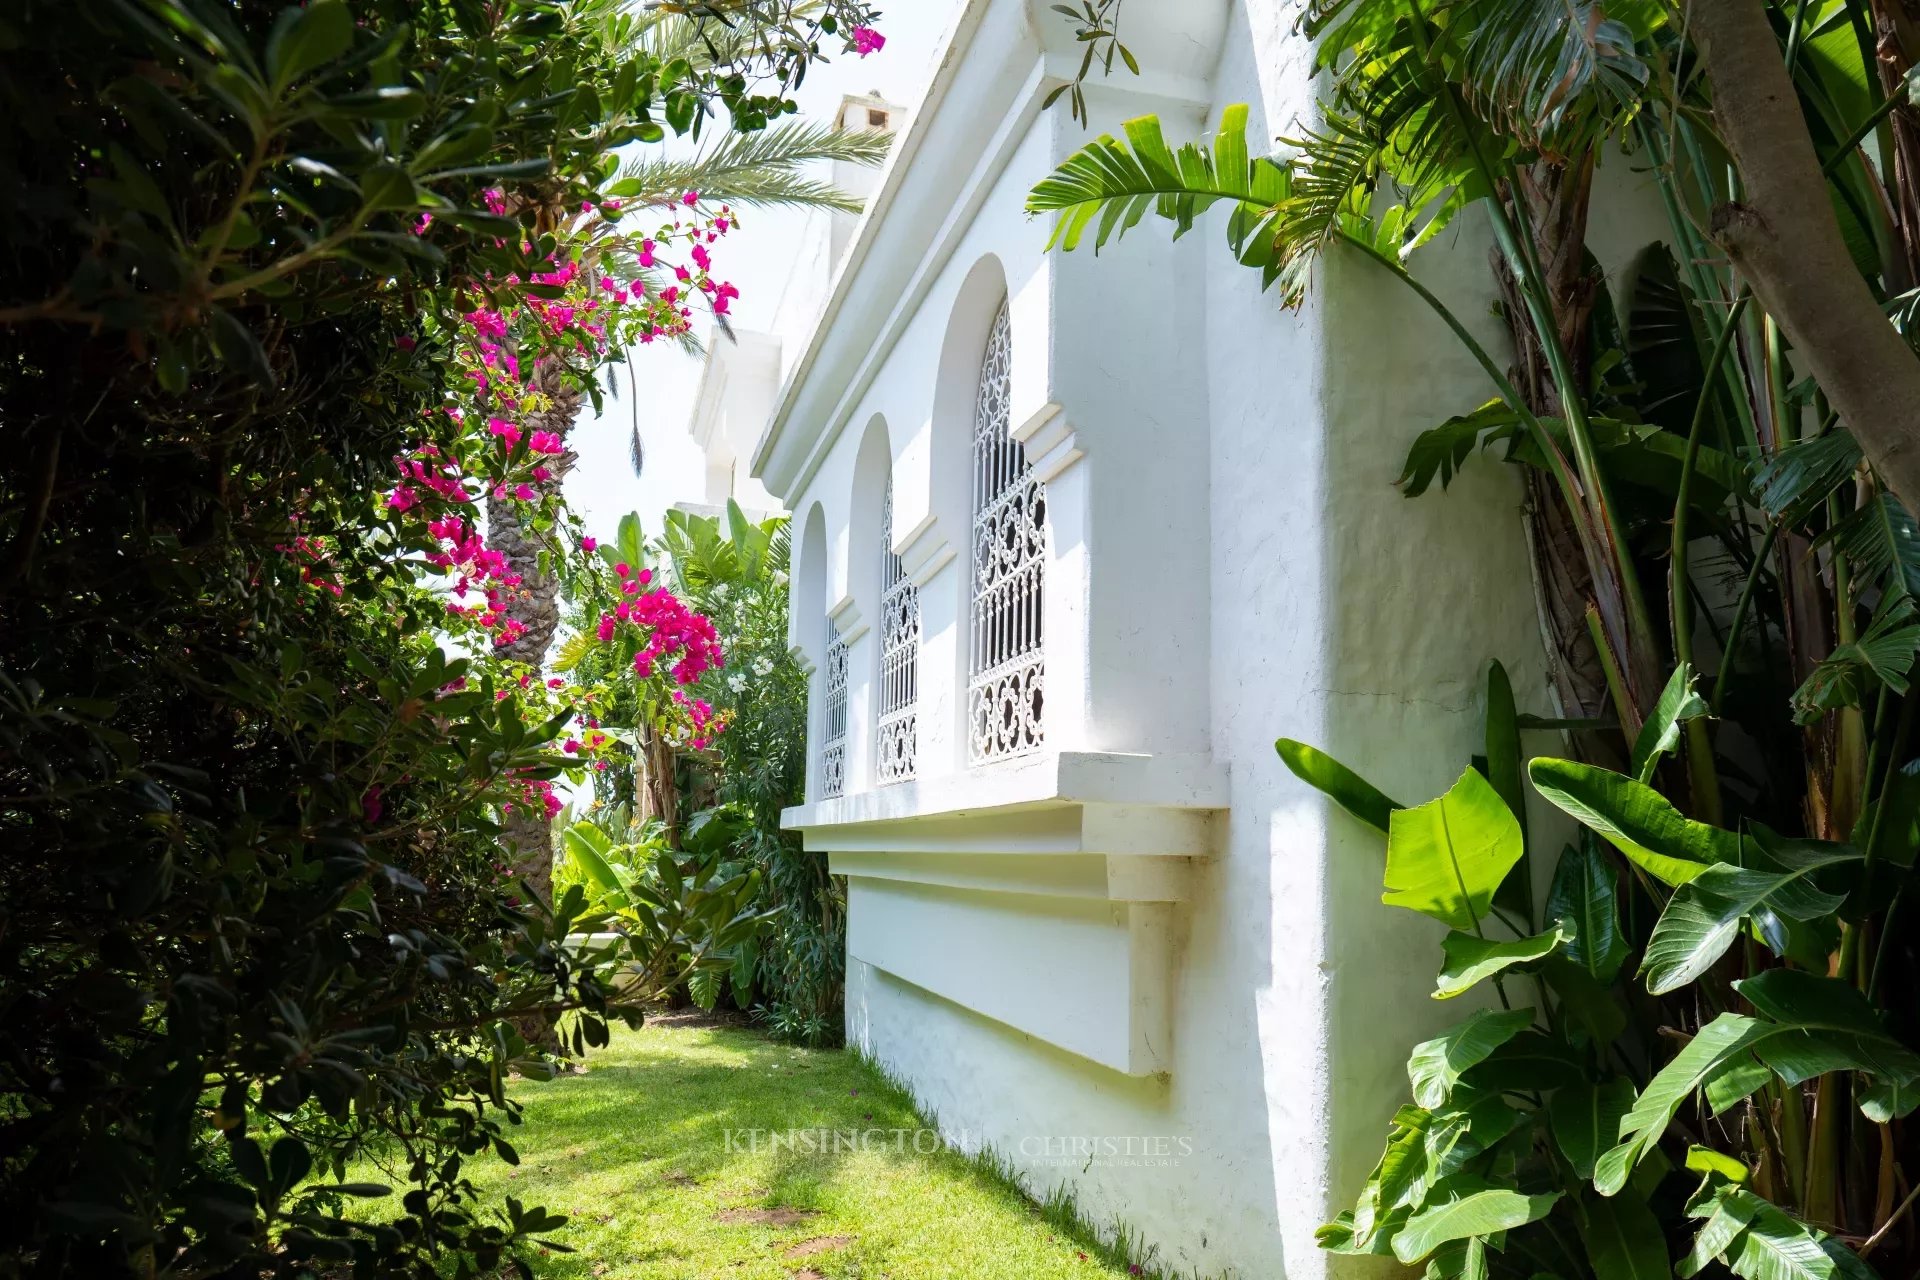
(895, 740)
(1007, 678)
(833, 739)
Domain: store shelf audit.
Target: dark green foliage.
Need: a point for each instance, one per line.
(252, 921)
(736, 573)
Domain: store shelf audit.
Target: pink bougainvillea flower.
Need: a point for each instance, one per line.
(866, 40)
(371, 806)
(622, 569)
(571, 746)
(690, 199)
(700, 257)
(588, 544)
(545, 442)
(646, 253)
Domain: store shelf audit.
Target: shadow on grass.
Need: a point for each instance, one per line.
(664, 1149)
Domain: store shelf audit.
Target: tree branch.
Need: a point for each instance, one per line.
(1784, 239)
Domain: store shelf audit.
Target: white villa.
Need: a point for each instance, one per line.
(1075, 539)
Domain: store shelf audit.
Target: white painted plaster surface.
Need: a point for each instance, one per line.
(1151, 929)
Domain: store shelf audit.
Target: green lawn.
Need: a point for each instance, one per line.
(635, 1151)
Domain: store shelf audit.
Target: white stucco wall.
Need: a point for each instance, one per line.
(1154, 932)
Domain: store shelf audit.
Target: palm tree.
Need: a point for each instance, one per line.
(763, 169)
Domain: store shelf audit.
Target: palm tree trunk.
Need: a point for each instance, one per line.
(1556, 202)
(656, 783)
(535, 605)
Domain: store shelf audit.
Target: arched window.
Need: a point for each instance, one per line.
(895, 741)
(833, 738)
(1006, 676)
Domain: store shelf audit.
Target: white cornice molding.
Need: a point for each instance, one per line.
(1051, 443)
(845, 619)
(924, 552)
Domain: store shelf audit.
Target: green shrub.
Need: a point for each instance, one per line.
(250, 791)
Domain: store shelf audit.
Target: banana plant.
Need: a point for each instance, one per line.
(687, 917)
(1546, 1135)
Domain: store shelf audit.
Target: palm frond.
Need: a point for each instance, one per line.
(1850, 675)
(1117, 182)
(1551, 72)
(1797, 480)
(1883, 544)
(779, 543)
(1333, 179)
(1351, 17)
(1282, 217)
(705, 44)
(1442, 450)
(762, 168)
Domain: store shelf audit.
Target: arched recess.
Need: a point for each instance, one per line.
(807, 632)
(889, 710)
(956, 386)
(872, 471)
(807, 616)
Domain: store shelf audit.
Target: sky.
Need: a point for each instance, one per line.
(602, 487)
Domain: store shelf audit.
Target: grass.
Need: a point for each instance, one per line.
(636, 1152)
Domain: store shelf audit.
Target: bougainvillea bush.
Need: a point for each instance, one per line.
(282, 293)
(719, 792)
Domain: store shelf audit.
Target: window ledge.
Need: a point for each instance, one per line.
(1037, 781)
(1123, 828)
